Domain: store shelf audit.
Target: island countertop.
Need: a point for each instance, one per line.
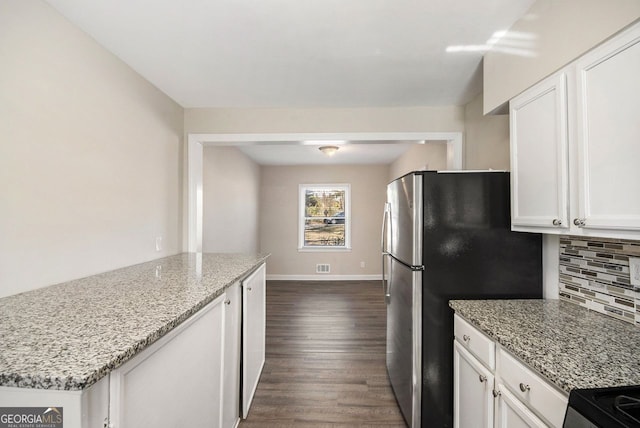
(70, 335)
(569, 345)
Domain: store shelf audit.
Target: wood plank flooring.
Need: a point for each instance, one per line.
(325, 358)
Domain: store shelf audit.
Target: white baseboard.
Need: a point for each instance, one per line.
(323, 277)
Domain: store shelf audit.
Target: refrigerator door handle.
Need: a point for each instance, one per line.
(385, 282)
(385, 222)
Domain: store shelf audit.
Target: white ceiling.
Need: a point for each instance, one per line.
(300, 53)
(349, 153)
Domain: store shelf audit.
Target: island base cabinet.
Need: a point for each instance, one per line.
(177, 381)
(511, 413)
(231, 362)
(253, 334)
(473, 392)
(88, 408)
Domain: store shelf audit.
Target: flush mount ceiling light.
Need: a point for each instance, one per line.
(322, 142)
(328, 150)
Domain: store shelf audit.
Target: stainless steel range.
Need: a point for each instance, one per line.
(604, 407)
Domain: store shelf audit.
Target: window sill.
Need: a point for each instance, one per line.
(324, 250)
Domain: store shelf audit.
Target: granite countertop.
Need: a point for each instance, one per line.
(70, 335)
(569, 345)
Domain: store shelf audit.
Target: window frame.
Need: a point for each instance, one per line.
(302, 189)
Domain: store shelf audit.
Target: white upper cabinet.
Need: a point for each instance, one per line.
(608, 134)
(539, 151)
(575, 146)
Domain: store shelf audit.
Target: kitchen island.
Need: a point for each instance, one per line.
(70, 336)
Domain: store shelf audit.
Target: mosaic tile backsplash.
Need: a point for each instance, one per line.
(594, 273)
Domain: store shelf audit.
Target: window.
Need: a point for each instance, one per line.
(324, 217)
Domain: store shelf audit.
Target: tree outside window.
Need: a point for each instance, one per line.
(324, 216)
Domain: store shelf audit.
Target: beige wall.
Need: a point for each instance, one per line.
(432, 156)
(90, 155)
(279, 218)
(560, 31)
(231, 188)
(400, 119)
(486, 137)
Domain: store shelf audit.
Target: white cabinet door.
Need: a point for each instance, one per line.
(473, 391)
(253, 334)
(608, 131)
(175, 382)
(231, 361)
(539, 157)
(511, 413)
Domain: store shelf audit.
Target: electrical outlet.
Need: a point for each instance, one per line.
(634, 271)
(158, 243)
(362, 265)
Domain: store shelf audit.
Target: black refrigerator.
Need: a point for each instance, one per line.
(446, 235)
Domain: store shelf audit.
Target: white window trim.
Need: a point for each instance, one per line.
(347, 217)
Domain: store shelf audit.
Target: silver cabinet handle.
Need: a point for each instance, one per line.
(580, 222)
(557, 222)
(227, 302)
(496, 393)
(524, 388)
(482, 378)
(466, 338)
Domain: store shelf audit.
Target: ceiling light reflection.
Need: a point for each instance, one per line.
(509, 42)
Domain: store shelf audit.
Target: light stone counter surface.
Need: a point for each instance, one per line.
(569, 345)
(70, 335)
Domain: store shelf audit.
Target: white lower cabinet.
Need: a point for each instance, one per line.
(253, 334)
(231, 361)
(177, 381)
(531, 389)
(512, 413)
(473, 395)
(189, 377)
(510, 395)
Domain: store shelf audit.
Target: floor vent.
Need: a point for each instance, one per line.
(323, 268)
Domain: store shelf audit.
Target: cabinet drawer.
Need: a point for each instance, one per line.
(475, 342)
(542, 397)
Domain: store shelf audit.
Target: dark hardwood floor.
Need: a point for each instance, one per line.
(325, 358)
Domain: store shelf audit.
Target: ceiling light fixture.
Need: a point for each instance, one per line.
(322, 142)
(328, 150)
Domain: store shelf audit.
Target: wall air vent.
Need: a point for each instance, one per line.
(323, 268)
